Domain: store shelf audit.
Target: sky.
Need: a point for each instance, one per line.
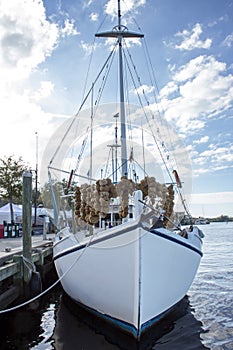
(45, 50)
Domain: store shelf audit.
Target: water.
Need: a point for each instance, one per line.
(203, 320)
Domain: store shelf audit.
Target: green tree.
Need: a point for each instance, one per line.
(11, 172)
(59, 188)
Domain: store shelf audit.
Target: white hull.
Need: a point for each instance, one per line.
(128, 274)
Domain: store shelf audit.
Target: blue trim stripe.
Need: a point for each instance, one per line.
(173, 239)
(153, 231)
(125, 326)
(98, 240)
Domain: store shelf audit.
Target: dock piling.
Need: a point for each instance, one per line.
(27, 222)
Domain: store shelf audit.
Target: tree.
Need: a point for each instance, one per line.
(11, 183)
(59, 188)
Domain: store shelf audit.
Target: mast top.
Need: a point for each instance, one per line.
(119, 30)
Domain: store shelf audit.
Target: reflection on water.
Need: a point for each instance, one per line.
(60, 324)
(77, 329)
(212, 291)
(203, 320)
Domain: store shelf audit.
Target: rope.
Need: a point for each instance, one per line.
(29, 264)
(49, 288)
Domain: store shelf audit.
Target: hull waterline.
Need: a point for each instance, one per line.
(131, 277)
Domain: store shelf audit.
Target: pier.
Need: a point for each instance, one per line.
(12, 266)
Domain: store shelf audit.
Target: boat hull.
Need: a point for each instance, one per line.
(130, 276)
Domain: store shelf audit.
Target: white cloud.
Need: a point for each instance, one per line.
(144, 89)
(214, 158)
(219, 154)
(202, 89)
(69, 28)
(88, 48)
(211, 204)
(45, 90)
(87, 3)
(228, 40)
(203, 139)
(132, 5)
(94, 16)
(169, 89)
(26, 38)
(130, 42)
(211, 198)
(191, 39)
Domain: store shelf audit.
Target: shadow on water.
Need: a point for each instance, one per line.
(18, 329)
(22, 327)
(58, 323)
(76, 329)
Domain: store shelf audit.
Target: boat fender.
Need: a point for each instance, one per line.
(35, 284)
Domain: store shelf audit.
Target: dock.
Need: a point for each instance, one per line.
(12, 267)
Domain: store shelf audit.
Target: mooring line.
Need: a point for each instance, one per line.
(50, 287)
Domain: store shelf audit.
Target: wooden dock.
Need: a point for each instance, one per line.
(12, 286)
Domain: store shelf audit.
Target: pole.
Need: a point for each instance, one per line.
(36, 180)
(122, 101)
(27, 221)
(120, 33)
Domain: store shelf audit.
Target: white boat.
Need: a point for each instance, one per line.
(201, 221)
(118, 254)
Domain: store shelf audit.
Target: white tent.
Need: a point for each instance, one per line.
(5, 213)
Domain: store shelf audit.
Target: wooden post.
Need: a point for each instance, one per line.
(27, 221)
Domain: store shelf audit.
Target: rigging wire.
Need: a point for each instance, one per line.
(154, 83)
(81, 106)
(81, 150)
(91, 56)
(107, 164)
(87, 75)
(147, 119)
(104, 80)
(178, 190)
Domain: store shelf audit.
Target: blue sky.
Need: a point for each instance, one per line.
(44, 56)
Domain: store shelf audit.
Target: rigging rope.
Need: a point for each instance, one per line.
(52, 286)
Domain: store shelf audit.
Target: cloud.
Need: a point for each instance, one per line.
(228, 40)
(202, 89)
(26, 38)
(219, 155)
(45, 90)
(94, 16)
(191, 39)
(211, 204)
(88, 48)
(210, 198)
(169, 89)
(214, 158)
(69, 28)
(203, 139)
(87, 3)
(132, 5)
(144, 89)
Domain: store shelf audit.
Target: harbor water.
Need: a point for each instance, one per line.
(202, 320)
